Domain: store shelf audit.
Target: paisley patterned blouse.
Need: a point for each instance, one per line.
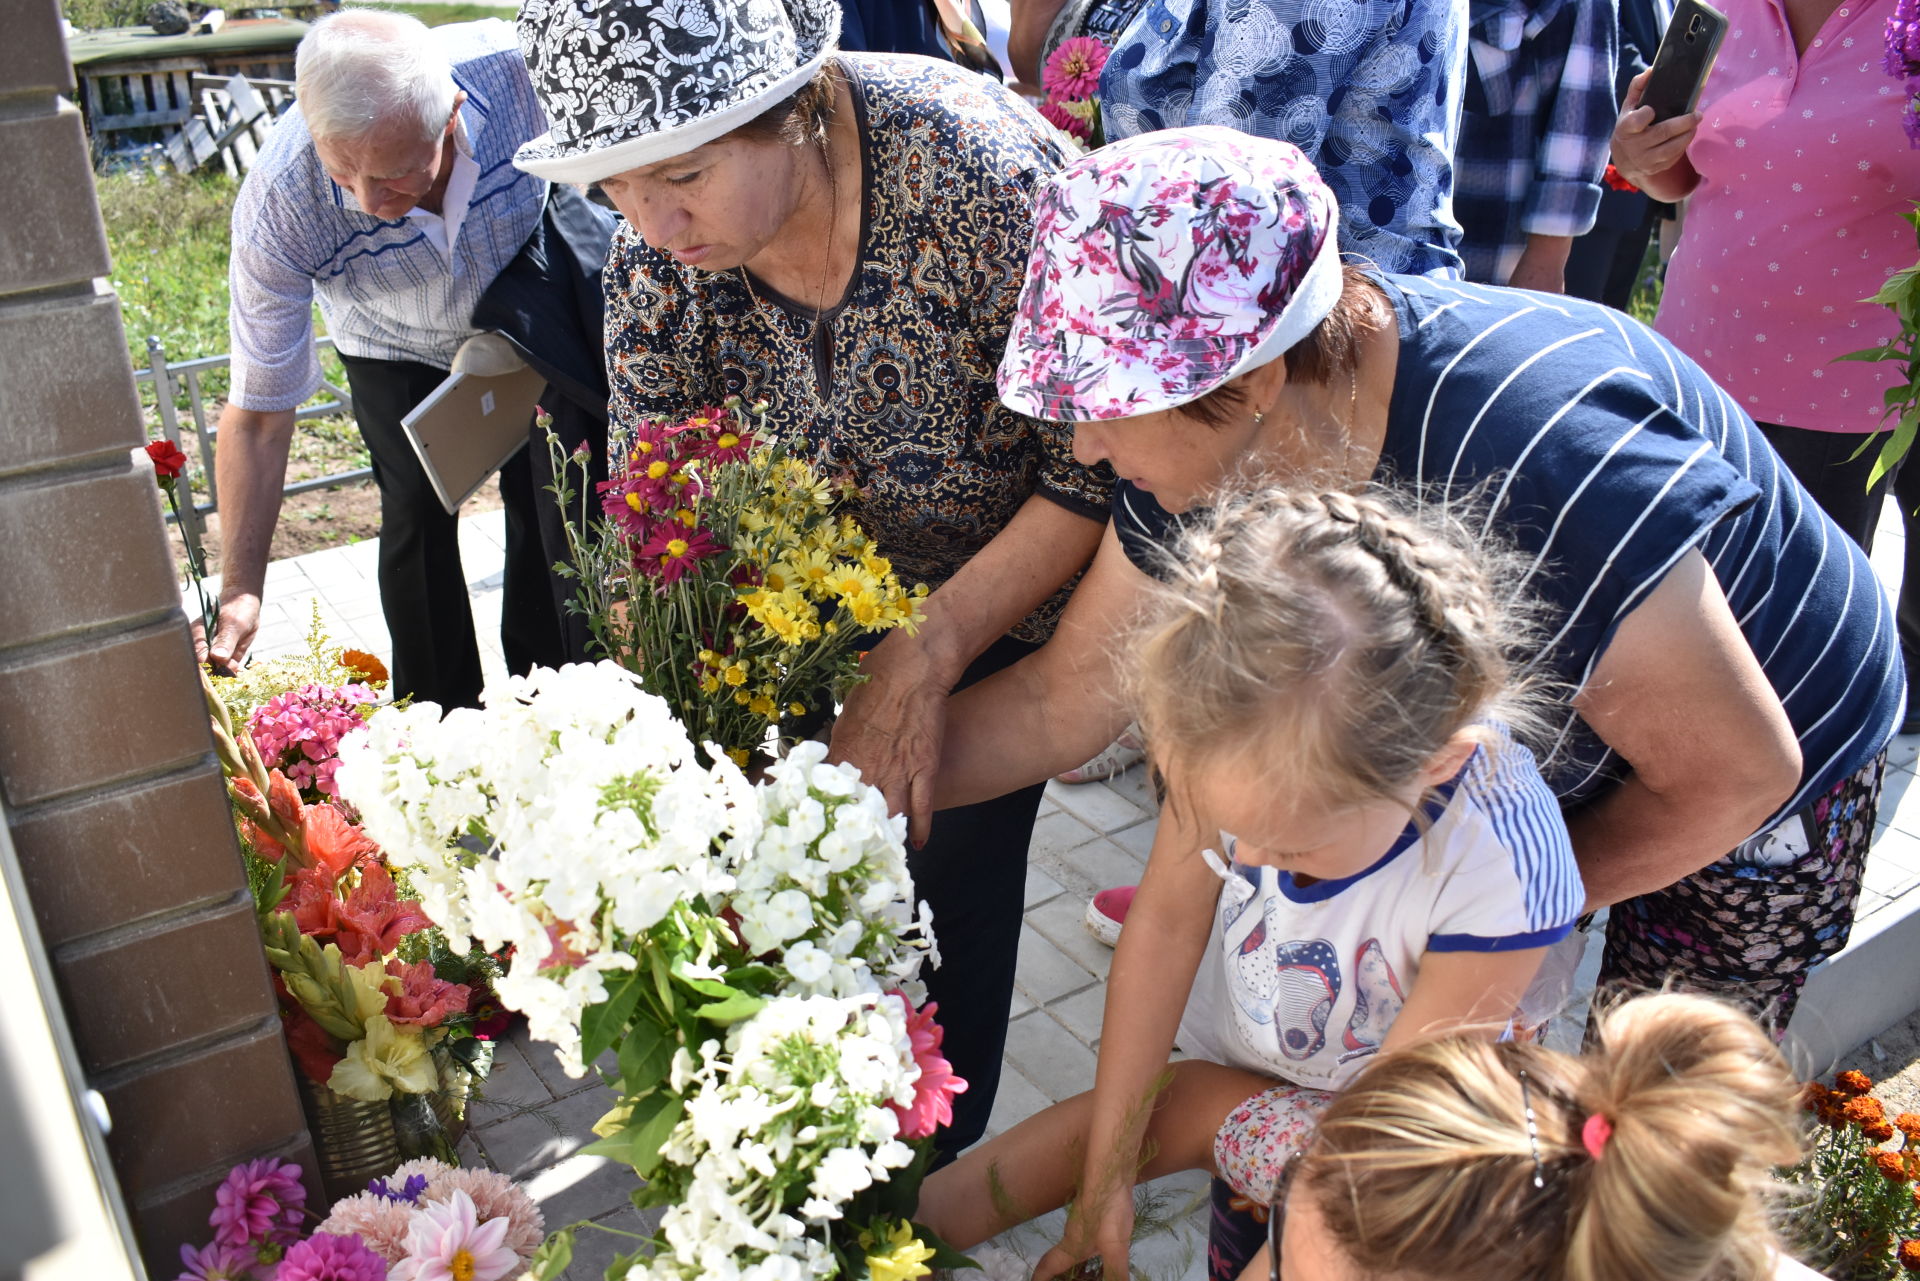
(897, 387)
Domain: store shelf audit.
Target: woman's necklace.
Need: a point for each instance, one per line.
(820, 337)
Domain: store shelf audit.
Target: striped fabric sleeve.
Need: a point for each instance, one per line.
(1518, 887)
(270, 315)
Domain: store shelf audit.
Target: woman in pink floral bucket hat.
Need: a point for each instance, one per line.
(843, 236)
(1729, 661)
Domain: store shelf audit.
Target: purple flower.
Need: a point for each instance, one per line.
(325, 1257)
(1903, 40)
(409, 1191)
(215, 1262)
(260, 1200)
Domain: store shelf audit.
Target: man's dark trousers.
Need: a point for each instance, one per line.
(423, 588)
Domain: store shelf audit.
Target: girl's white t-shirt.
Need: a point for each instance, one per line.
(1301, 982)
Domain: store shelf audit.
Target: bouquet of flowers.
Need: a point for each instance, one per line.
(1902, 60)
(720, 572)
(1071, 81)
(426, 1220)
(374, 1007)
(746, 955)
(1864, 1172)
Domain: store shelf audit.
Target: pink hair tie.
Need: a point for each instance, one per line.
(1594, 1135)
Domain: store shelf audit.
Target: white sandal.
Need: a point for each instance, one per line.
(1119, 756)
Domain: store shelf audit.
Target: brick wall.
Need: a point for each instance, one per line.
(110, 789)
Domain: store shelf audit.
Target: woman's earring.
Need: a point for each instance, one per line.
(1258, 418)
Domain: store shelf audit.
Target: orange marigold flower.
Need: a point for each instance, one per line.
(1864, 1110)
(366, 666)
(1814, 1096)
(1853, 1082)
(1877, 1131)
(1889, 1164)
(1908, 1123)
(1910, 1255)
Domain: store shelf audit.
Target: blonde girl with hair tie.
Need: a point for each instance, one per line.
(1327, 683)
(1648, 1158)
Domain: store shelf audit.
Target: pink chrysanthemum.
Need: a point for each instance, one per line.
(448, 1242)
(215, 1262)
(300, 731)
(380, 1224)
(1061, 119)
(933, 1093)
(495, 1196)
(326, 1257)
(1074, 69)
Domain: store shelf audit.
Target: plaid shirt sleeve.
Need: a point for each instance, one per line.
(1576, 121)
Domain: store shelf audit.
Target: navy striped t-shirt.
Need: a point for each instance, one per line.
(1604, 454)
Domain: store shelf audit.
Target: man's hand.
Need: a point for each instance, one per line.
(232, 635)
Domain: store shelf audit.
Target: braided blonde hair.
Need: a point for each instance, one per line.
(1424, 1164)
(1345, 639)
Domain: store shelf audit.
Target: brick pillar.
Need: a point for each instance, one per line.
(106, 770)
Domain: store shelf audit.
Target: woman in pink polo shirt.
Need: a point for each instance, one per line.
(1796, 170)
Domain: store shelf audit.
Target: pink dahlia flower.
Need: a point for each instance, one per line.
(933, 1093)
(1074, 69)
(325, 1257)
(259, 1201)
(447, 1242)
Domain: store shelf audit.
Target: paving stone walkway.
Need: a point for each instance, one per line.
(1088, 837)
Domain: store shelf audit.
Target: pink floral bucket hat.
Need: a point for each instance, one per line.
(1165, 265)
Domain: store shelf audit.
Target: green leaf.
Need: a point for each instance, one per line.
(553, 1256)
(944, 1255)
(1888, 352)
(662, 978)
(645, 1057)
(709, 987)
(1896, 447)
(600, 1025)
(648, 1125)
(735, 1008)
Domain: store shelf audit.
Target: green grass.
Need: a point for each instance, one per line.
(169, 238)
(439, 15)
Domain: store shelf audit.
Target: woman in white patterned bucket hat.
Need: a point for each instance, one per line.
(843, 237)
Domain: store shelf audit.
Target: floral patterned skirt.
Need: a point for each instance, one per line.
(1750, 926)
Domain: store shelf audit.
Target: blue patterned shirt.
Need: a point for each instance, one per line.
(1537, 128)
(1368, 89)
(386, 289)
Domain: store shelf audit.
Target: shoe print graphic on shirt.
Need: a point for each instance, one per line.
(1289, 988)
(1377, 999)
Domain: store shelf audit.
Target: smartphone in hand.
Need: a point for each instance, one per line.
(1686, 56)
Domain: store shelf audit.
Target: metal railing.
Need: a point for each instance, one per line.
(166, 376)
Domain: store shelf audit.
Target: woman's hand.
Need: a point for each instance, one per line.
(1653, 157)
(891, 726)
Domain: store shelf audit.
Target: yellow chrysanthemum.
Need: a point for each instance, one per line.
(867, 608)
(762, 706)
(736, 674)
(850, 580)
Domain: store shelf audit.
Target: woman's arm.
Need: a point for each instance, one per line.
(1681, 697)
(1054, 709)
(1153, 968)
(892, 724)
(1027, 29)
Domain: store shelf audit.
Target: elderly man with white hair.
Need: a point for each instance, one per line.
(387, 194)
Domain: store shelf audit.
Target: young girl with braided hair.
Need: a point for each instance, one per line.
(1647, 1158)
(1327, 685)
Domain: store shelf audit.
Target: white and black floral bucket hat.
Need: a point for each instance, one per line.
(627, 83)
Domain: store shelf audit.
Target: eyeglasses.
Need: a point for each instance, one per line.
(1277, 1214)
